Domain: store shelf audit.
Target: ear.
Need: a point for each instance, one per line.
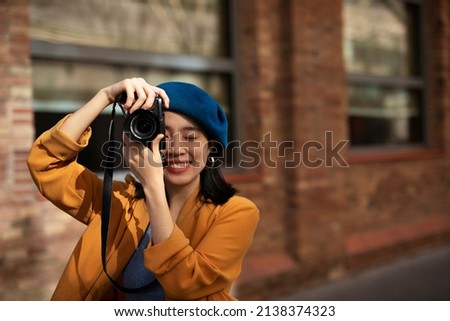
(213, 149)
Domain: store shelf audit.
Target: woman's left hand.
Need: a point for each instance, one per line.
(145, 162)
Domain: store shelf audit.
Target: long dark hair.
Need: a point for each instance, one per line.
(213, 186)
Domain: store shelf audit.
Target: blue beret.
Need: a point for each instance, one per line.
(197, 104)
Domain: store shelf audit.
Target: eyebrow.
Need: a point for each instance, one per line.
(185, 129)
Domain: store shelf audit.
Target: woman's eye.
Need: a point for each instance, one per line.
(190, 137)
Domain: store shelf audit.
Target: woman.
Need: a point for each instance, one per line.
(181, 224)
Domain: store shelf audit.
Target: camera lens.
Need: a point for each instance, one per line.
(144, 128)
(143, 125)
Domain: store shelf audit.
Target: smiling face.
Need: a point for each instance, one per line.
(186, 153)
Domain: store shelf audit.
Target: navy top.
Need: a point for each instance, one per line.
(136, 275)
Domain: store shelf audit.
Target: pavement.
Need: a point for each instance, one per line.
(424, 276)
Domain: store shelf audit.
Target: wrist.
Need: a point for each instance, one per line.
(105, 96)
(154, 191)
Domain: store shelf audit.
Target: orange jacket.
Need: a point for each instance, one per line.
(199, 261)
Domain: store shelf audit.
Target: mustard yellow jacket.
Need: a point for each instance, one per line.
(199, 261)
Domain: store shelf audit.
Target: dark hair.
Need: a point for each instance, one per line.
(213, 186)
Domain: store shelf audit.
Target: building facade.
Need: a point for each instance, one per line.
(340, 115)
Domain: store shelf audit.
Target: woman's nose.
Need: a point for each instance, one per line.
(175, 145)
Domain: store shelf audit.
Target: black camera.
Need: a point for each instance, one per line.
(143, 125)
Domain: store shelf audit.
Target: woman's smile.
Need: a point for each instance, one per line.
(177, 166)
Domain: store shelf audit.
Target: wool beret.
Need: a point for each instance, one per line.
(197, 104)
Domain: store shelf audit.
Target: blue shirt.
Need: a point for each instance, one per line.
(136, 275)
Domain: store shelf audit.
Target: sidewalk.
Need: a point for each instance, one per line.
(422, 276)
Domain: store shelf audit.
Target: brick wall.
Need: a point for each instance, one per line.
(320, 223)
(34, 241)
(16, 133)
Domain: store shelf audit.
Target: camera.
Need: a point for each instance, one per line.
(143, 125)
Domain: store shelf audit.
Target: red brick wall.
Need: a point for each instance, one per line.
(16, 199)
(34, 241)
(326, 221)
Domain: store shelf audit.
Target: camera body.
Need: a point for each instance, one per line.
(143, 125)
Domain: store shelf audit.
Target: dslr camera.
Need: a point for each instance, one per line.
(143, 125)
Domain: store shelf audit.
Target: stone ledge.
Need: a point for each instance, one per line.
(367, 242)
(265, 266)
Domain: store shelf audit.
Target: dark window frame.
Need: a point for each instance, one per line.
(363, 154)
(118, 57)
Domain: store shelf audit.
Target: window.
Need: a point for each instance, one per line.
(382, 51)
(79, 47)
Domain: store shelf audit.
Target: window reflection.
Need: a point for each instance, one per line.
(61, 86)
(382, 57)
(178, 26)
(379, 37)
(384, 115)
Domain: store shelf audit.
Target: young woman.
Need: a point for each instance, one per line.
(180, 224)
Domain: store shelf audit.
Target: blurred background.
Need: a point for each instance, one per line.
(340, 125)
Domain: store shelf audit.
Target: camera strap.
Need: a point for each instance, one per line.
(106, 208)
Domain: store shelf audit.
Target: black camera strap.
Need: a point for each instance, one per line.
(106, 208)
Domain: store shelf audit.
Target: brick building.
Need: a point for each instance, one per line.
(349, 157)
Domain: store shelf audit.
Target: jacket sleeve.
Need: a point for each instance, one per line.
(188, 273)
(57, 175)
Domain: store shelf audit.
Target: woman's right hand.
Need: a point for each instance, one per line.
(139, 94)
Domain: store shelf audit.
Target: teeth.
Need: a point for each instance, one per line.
(178, 165)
